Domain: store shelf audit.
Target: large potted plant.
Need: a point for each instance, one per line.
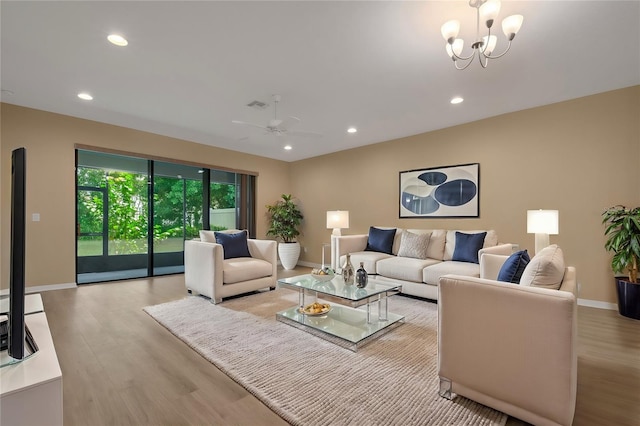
(623, 239)
(284, 220)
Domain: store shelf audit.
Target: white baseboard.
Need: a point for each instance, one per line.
(41, 288)
(597, 304)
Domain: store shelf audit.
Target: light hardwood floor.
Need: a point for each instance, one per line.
(120, 367)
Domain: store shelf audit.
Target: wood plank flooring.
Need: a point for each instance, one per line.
(120, 367)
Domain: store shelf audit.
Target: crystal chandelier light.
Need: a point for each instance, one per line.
(486, 11)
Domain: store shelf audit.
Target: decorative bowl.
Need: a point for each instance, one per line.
(315, 309)
(323, 275)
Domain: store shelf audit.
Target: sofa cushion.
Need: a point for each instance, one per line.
(490, 240)
(414, 245)
(369, 258)
(546, 269)
(207, 236)
(513, 267)
(431, 274)
(239, 269)
(381, 240)
(404, 268)
(436, 242)
(233, 245)
(467, 246)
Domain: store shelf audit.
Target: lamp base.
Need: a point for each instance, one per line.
(542, 241)
(336, 232)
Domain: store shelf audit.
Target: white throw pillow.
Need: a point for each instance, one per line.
(414, 245)
(545, 270)
(207, 236)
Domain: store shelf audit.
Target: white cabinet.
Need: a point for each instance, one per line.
(31, 391)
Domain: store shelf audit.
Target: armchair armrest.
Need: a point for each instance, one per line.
(265, 250)
(203, 266)
(509, 347)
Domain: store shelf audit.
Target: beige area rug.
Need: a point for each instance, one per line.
(309, 381)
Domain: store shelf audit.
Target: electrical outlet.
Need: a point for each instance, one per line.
(305, 249)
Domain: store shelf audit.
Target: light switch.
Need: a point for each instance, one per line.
(35, 217)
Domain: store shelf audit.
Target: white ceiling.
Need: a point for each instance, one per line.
(191, 67)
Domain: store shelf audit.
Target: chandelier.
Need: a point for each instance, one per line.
(486, 11)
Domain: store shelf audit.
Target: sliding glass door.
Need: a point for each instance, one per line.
(112, 213)
(134, 214)
(177, 213)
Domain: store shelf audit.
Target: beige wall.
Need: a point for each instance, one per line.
(50, 140)
(578, 157)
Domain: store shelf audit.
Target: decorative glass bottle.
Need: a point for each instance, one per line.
(361, 276)
(348, 271)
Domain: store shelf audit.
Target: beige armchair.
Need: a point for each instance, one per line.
(507, 346)
(208, 273)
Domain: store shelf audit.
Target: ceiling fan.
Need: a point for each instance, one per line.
(279, 127)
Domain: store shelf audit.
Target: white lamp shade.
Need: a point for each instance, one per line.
(337, 219)
(489, 11)
(450, 30)
(542, 222)
(511, 25)
(489, 44)
(456, 47)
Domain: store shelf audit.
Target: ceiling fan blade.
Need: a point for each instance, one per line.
(288, 122)
(244, 123)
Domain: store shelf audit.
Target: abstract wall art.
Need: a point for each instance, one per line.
(449, 191)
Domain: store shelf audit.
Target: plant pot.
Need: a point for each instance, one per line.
(289, 254)
(628, 298)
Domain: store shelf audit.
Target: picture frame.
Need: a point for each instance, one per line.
(440, 192)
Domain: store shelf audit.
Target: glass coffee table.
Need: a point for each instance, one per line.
(356, 315)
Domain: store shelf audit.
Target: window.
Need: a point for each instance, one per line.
(134, 214)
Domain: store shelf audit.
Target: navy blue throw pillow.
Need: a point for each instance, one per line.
(234, 245)
(380, 240)
(513, 267)
(467, 246)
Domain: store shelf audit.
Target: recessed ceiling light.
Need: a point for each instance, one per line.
(118, 40)
(288, 147)
(85, 96)
(352, 130)
(456, 100)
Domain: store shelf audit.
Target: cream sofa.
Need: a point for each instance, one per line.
(419, 277)
(511, 347)
(208, 273)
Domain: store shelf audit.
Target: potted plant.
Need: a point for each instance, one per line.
(284, 220)
(623, 233)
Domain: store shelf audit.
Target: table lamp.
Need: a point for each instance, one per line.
(337, 219)
(542, 223)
